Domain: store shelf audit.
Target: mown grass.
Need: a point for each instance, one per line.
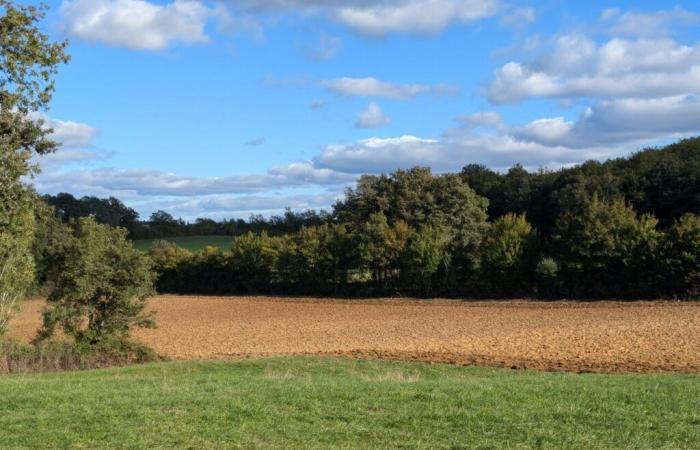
(192, 243)
(335, 403)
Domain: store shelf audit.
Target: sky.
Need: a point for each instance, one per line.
(227, 108)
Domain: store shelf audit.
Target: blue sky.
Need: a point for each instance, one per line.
(232, 107)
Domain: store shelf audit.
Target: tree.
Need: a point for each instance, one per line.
(506, 251)
(680, 260)
(381, 246)
(425, 254)
(168, 261)
(251, 262)
(16, 264)
(28, 62)
(604, 249)
(101, 291)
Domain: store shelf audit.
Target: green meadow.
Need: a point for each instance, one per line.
(306, 402)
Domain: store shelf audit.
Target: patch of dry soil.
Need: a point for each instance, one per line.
(559, 336)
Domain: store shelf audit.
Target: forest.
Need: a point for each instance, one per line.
(624, 228)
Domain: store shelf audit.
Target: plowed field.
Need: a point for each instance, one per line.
(560, 336)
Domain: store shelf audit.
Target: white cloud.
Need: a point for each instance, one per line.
(578, 67)
(378, 18)
(651, 24)
(450, 152)
(371, 87)
(136, 24)
(413, 16)
(76, 143)
(372, 117)
(618, 121)
(154, 182)
(482, 119)
(69, 133)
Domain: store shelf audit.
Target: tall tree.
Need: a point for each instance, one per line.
(28, 63)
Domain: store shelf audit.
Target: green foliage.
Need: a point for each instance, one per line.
(101, 290)
(50, 240)
(16, 264)
(28, 62)
(251, 262)
(546, 276)
(425, 254)
(190, 243)
(681, 257)
(604, 248)
(506, 252)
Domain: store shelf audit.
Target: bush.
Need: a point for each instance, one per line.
(54, 356)
(546, 274)
(101, 290)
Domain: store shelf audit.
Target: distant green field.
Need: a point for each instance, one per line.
(192, 243)
(338, 403)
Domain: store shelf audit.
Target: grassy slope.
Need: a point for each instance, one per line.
(192, 243)
(322, 403)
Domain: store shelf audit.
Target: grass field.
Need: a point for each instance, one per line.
(192, 243)
(323, 402)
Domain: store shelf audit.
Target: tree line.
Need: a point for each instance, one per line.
(161, 224)
(626, 228)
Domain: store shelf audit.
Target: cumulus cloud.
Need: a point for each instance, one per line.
(618, 121)
(376, 18)
(578, 67)
(69, 133)
(136, 24)
(413, 16)
(371, 87)
(153, 25)
(76, 143)
(154, 182)
(450, 152)
(372, 117)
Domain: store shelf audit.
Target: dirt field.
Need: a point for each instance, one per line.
(581, 337)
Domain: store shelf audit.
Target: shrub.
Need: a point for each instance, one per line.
(546, 273)
(54, 356)
(100, 292)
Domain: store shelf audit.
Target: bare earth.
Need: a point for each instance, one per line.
(560, 336)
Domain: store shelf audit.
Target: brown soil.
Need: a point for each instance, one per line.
(560, 336)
